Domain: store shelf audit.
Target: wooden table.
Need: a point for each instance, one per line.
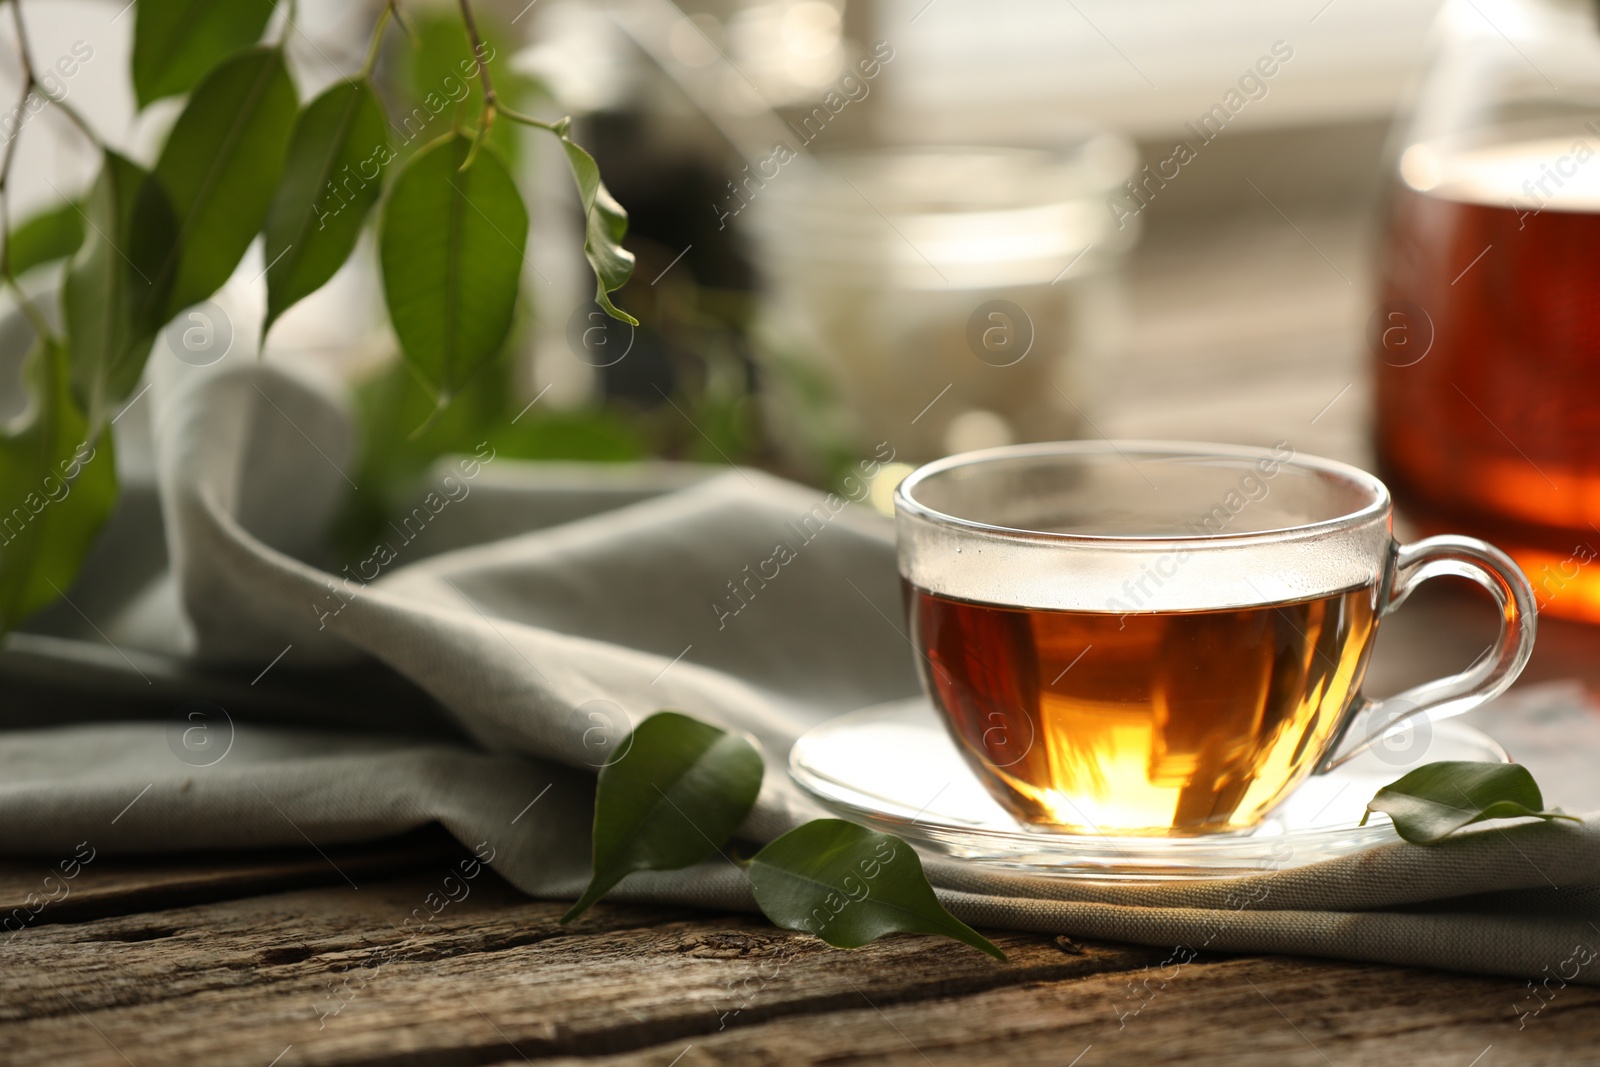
(296, 958)
(251, 961)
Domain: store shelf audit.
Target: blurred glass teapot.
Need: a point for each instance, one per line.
(939, 298)
(1487, 339)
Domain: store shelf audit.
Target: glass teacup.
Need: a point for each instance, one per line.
(1158, 638)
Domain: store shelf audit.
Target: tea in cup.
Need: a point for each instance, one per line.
(1152, 638)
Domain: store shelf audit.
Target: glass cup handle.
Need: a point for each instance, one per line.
(1487, 678)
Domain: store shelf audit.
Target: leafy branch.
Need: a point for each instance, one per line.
(604, 221)
(245, 159)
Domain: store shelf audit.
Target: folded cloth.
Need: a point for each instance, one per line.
(538, 611)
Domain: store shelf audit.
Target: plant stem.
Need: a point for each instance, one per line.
(477, 53)
(29, 84)
(377, 39)
(491, 100)
(477, 139)
(30, 310)
(558, 127)
(439, 408)
(288, 24)
(485, 117)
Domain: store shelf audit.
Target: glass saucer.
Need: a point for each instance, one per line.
(895, 768)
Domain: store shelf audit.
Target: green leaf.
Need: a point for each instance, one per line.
(175, 42)
(1437, 799)
(849, 885)
(114, 297)
(330, 181)
(451, 250)
(221, 165)
(605, 225)
(56, 491)
(47, 236)
(677, 794)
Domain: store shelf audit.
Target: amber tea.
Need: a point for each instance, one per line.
(1486, 411)
(1197, 720)
(1148, 638)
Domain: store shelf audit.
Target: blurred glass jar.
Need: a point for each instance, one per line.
(1487, 340)
(937, 299)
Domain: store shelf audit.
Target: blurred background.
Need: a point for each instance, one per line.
(927, 226)
(812, 252)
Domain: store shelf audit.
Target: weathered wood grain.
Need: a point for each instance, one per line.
(48, 889)
(326, 976)
(330, 972)
(1239, 1012)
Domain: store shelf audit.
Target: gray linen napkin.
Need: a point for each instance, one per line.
(534, 613)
